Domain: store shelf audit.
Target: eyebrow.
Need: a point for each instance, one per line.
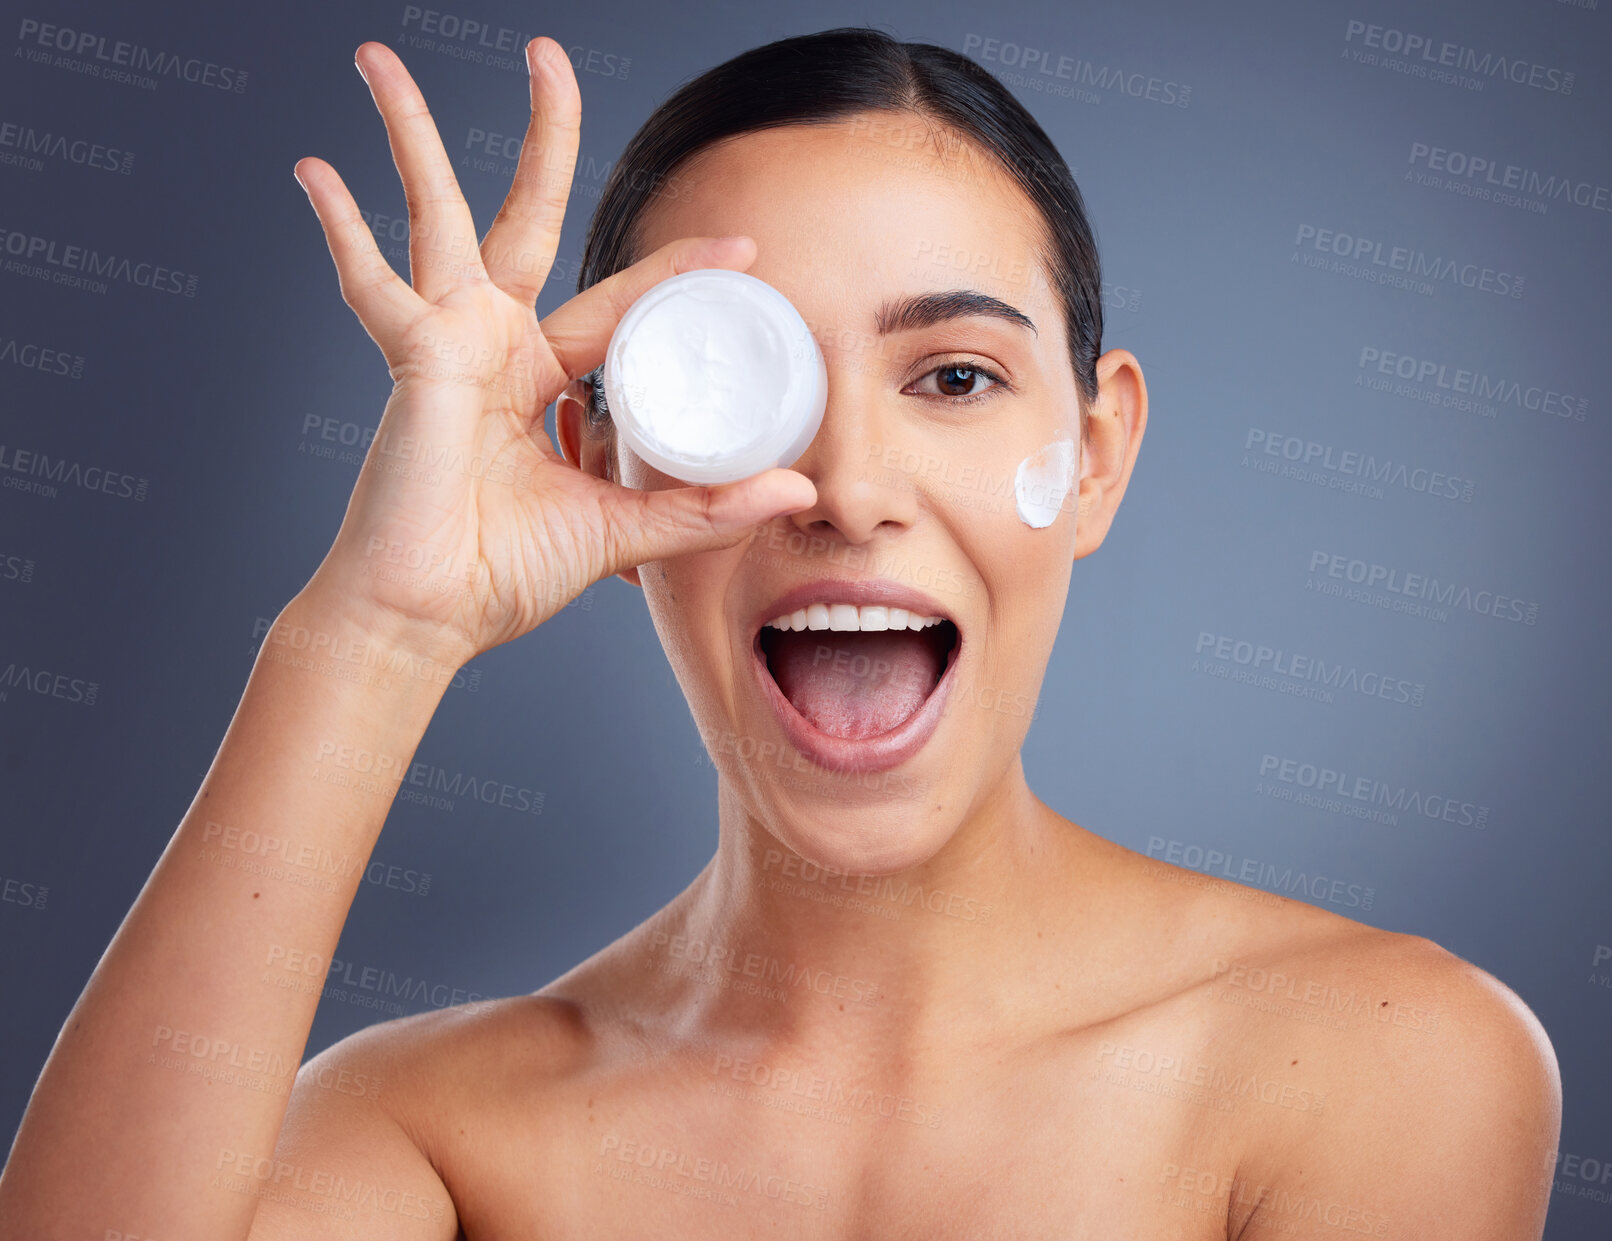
(925, 310)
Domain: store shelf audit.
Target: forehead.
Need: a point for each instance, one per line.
(846, 213)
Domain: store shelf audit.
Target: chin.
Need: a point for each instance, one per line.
(856, 836)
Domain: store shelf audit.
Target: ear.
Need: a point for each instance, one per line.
(587, 451)
(1115, 424)
(570, 412)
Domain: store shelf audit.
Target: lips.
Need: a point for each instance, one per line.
(863, 700)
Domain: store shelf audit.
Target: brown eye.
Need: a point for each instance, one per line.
(958, 380)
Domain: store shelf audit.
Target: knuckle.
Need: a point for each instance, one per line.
(413, 110)
(432, 197)
(364, 278)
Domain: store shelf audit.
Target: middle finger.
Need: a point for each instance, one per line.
(519, 248)
(442, 233)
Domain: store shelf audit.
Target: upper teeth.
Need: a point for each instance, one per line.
(849, 616)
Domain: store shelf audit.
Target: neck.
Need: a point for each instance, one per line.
(891, 958)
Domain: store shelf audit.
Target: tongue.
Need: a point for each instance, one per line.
(855, 684)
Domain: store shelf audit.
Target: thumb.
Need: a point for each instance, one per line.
(656, 525)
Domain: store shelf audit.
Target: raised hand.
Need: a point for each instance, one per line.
(466, 528)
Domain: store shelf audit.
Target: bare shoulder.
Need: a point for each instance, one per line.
(1413, 1093)
(1443, 1092)
(491, 1067)
(436, 1062)
(1290, 958)
(386, 1127)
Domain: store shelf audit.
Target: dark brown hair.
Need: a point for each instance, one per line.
(829, 76)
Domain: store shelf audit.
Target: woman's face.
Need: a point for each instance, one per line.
(929, 418)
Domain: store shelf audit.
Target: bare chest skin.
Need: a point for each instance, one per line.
(1131, 1086)
(1131, 1130)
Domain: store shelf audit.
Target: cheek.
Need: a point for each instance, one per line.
(687, 602)
(1013, 517)
(1044, 480)
(634, 472)
(1005, 484)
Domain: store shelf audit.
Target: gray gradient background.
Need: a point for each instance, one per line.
(1195, 207)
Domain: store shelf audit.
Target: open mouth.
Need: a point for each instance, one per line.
(857, 673)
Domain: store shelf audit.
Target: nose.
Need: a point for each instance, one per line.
(857, 498)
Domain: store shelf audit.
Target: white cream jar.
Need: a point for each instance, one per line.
(712, 376)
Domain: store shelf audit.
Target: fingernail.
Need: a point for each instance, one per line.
(360, 69)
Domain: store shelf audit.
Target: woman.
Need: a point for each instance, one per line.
(905, 997)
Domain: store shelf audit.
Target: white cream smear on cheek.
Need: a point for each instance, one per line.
(1041, 482)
